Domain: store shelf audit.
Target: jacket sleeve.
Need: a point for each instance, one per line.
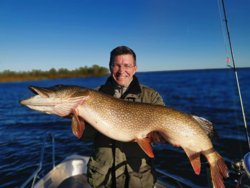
(157, 99)
(151, 96)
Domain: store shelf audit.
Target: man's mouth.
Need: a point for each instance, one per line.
(121, 76)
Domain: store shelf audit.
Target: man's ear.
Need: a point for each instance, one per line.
(136, 69)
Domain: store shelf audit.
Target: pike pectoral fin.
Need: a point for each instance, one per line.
(78, 126)
(194, 159)
(146, 146)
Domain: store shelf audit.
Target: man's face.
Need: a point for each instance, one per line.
(123, 69)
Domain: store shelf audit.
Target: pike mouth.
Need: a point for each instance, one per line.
(33, 89)
(39, 99)
(40, 91)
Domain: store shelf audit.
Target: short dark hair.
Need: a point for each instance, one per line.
(121, 50)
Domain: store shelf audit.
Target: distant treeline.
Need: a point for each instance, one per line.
(94, 71)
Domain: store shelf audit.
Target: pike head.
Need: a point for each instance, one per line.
(59, 100)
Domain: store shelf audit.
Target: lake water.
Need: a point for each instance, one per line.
(211, 94)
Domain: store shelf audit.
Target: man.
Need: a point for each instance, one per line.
(114, 163)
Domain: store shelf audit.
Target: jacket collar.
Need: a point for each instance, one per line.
(109, 87)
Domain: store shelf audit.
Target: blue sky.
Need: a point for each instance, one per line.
(165, 34)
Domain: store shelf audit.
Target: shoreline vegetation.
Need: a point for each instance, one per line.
(12, 76)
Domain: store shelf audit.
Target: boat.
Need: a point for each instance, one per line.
(72, 172)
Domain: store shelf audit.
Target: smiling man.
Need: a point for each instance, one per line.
(123, 68)
(114, 163)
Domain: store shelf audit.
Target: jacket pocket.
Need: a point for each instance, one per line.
(98, 174)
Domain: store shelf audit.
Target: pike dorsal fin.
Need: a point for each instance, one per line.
(206, 125)
(194, 159)
(145, 145)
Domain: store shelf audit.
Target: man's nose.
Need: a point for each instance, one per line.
(122, 68)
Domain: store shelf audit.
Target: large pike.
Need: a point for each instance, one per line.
(127, 121)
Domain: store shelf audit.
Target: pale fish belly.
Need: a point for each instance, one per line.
(107, 125)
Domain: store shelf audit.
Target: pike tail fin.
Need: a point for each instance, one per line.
(218, 170)
(194, 159)
(145, 145)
